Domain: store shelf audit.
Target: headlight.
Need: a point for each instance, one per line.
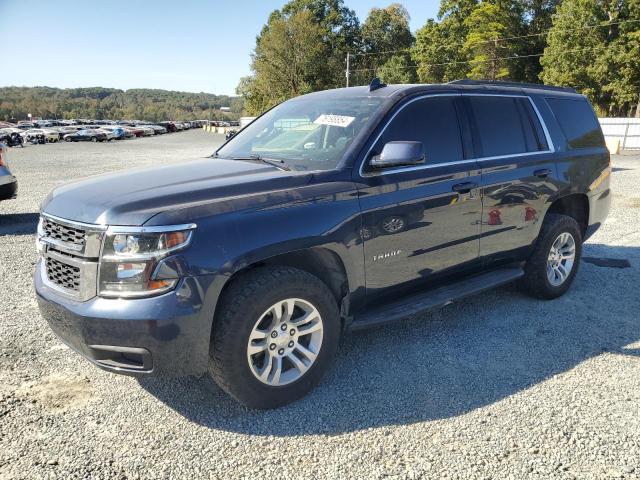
(130, 260)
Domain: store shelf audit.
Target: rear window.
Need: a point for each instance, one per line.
(577, 121)
(506, 125)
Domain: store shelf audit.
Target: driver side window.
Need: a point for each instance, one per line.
(432, 121)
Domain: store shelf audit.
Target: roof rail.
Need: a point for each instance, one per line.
(499, 83)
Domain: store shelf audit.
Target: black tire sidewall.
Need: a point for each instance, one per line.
(536, 268)
(240, 380)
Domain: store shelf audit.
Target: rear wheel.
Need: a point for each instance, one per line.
(68, 139)
(553, 265)
(94, 139)
(274, 337)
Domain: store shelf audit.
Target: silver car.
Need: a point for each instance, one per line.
(8, 183)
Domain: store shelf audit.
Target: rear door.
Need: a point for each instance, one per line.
(417, 221)
(516, 159)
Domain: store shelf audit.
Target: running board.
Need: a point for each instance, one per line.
(439, 297)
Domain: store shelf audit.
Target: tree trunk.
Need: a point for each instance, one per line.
(638, 109)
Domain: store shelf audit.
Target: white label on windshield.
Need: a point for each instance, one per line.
(334, 120)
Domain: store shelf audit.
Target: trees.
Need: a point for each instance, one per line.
(386, 39)
(485, 26)
(98, 102)
(301, 49)
(438, 51)
(286, 59)
(594, 46)
(572, 51)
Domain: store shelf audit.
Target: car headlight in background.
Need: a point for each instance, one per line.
(131, 258)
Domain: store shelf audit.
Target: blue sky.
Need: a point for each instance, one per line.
(184, 45)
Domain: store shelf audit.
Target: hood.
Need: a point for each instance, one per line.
(132, 197)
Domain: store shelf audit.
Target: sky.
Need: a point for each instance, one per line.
(186, 45)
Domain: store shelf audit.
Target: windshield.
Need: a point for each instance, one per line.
(305, 134)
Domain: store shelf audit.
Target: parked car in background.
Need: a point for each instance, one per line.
(49, 134)
(114, 132)
(65, 130)
(147, 131)
(170, 126)
(86, 135)
(8, 183)
(12, 137)
(158, 129)
(135, 131)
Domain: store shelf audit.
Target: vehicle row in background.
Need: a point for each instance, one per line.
(50, 131)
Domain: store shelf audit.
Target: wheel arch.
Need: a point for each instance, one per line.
(318, 261)
(575, 205)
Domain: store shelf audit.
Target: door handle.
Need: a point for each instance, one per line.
(465, 187)
(542, 173)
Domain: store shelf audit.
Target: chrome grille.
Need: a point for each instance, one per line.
(63, 275)
(63, 233)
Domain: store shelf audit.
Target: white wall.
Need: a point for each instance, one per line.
(626, 130)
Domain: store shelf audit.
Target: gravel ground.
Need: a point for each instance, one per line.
(500, 386)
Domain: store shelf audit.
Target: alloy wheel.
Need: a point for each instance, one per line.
(561, 259)
(285, 342)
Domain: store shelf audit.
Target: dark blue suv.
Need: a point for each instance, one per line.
(336, 210)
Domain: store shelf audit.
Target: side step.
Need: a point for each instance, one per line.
(439, 297)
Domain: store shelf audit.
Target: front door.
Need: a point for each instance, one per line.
(420, 220)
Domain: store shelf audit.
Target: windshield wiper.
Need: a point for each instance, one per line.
(269, 161)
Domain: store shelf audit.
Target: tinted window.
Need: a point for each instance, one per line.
(432, 121)
(504, 126)
(577, 121)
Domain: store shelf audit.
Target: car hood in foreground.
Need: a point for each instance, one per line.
(132, 197)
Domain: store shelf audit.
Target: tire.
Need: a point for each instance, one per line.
(67, 139)
(247, 302)
(536, 280)
(94, 139)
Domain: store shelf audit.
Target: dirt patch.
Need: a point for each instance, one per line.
(633, 202)
(59, 393)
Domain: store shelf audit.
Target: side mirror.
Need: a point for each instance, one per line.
(395, 154)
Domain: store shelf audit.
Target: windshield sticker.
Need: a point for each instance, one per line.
(334, 120)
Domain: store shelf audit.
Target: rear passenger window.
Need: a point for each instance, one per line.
(432, 121)
(506, 125)
(577, 121)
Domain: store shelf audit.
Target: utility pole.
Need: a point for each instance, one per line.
(347, 72)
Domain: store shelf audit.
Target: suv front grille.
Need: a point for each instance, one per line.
(63, 233)
(63, 275)
(69, 256)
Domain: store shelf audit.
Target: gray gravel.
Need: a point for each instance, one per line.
(501, 386)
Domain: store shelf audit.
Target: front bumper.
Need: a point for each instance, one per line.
(164, 335)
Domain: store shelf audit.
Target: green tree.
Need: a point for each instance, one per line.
(398, 69)
(286, 59)
(572, 51)
(618, 69)
(386, 40)
(341, 34)
(486, 25)
(301, 48)
(439, 51)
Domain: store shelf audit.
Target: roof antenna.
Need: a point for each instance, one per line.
(376, 84)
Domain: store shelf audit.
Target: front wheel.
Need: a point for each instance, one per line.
(94, 139)
(553, 265)
(274, 337)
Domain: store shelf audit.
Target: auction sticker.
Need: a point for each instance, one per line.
(334, 120)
